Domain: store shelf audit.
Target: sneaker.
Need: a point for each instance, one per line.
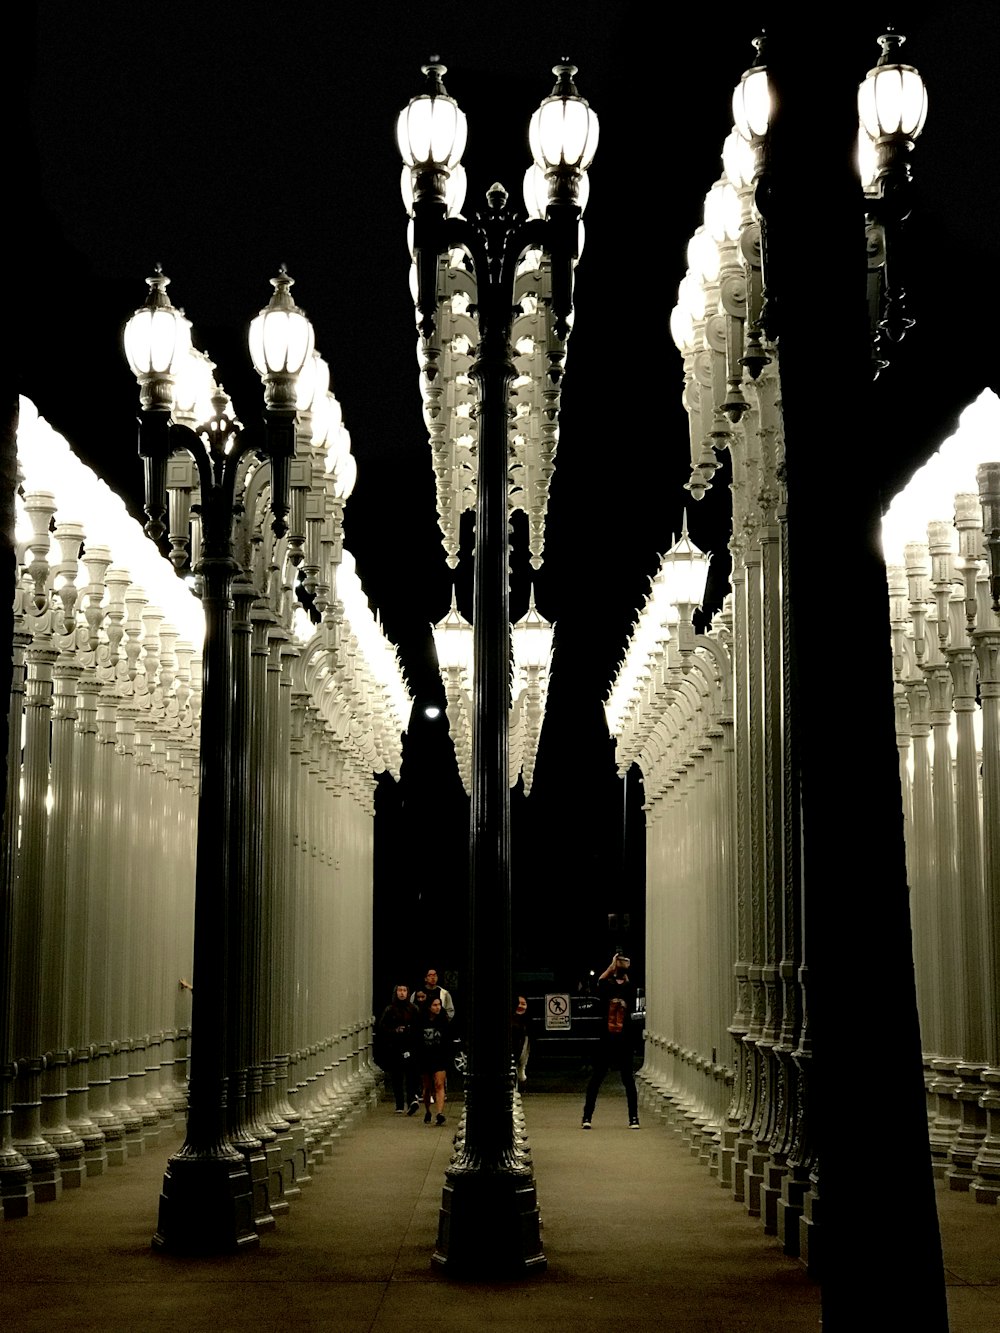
(414, 1107)
(633, 1124)
(427, 1118)
(400, 1110)
(586, 1124)
(440, 1119)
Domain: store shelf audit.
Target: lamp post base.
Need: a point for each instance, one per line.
(207, 1205)
(489, 1224)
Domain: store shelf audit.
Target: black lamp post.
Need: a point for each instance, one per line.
(207, 1199)
(489, 1215)
(789, 116)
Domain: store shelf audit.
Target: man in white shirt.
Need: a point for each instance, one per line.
(433, 991)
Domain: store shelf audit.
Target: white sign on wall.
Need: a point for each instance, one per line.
(557, 1016)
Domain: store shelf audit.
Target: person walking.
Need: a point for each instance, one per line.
(435, 1056)
(433, 990)
(616, 1047)
(397, 1048)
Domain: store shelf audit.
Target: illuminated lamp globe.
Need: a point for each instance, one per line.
(156, 341)
(703, 256)
(194, 387)
(722, 213)
(453, 641)
(737, 160)
(432, 130)
(685, 571)
(892, 100)
(563, 132)
(753, 101)
(345, 475)
(531, 637)
(280, 340)
(313, 383)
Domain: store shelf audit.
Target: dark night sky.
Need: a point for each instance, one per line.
(223, 140)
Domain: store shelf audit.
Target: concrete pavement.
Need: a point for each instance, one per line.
(635, 1232)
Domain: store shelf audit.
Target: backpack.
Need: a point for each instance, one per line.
(616, 1017)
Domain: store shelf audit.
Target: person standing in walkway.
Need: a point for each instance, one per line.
(397, 1048)
(435, 1056)
(616, 1046)
(519, 1041)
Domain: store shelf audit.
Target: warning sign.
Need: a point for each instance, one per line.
(557, 1017)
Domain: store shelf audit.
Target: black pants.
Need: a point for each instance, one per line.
(404, 1082)
(610, 1058)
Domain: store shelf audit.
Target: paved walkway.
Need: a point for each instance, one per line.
(635, 1232)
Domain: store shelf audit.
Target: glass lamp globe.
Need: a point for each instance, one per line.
(157, 336)
(722, 213)
(345, 475)
(194, 387)
(737, 160)
(563, 132)
(432, 130)
(753, 104)
(892, 100)
(685, 571)
(453, 640)
(531, 637)
(280, 337)
(681, 329)
(313, 383)
(703, 257)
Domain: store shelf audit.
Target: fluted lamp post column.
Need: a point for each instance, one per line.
(207, 1200)
(489, 1216)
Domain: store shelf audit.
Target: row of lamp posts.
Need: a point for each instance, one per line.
(780, 861)
(247, 1149)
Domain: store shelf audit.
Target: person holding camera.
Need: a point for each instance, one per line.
(616, 1047)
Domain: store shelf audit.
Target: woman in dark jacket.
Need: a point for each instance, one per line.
(398, 1051)
(435, 1047)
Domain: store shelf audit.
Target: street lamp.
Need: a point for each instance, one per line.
(208, 1196)
(489, 1190)
(453, 643)
(892, 108)
(532, 647)
(685, 573)
(740, 314)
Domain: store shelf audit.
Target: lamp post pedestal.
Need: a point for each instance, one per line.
(498, 1201)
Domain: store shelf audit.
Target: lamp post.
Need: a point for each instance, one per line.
(207, 1199)
(837, 495)
(489, 1190)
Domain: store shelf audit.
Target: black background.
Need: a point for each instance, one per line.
(223, 140)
